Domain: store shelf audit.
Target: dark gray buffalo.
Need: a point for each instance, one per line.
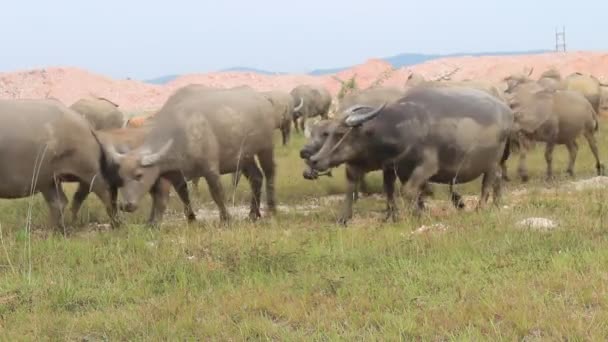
(309, 101)
(441, 135)
(42, 144)
(204, 134)
(318, 132)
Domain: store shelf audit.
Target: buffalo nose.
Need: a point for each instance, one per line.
(129, 207)
(305, 154)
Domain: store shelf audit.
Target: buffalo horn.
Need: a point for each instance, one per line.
(153, 158)
(299, 107)
(356, 119)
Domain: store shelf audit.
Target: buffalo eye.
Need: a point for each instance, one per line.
(325, 134)
(139, 176)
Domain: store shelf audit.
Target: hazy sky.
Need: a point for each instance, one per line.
(146, 39)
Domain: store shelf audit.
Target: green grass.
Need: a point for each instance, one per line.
(299, 276)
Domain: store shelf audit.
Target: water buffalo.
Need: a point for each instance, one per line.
(309, 101)
(283, 107)
(317, 136)
(44, 143)
(320, 131)
(124, 140)
(556, 117)
(587, 85)
(442, 135)
(283, 111)
(204, 134)
(100, 112)
(551, 80)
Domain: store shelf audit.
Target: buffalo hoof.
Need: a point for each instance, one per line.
(254, 215)
(506, 178)
(191, 218)
(153, 224)
(392, 216)
(601, 171)
(524, 178)
(570, 173)
(343, 220)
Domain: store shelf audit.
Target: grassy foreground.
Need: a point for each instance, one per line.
(299, 276)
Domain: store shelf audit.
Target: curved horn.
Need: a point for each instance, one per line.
(531, 71)
(299, 107)
(153, 158)
(357, 119)
(112, 154)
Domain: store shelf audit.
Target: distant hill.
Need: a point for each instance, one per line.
(258, 71)
(398, 61)
(162, 80)
(407, 59)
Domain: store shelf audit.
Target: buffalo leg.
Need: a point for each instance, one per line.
(549, 159)
(181, 187)
(217, 193)
(490, 177)
(255, 177)
(194, 181)
(389, 177)
(456, 198)
(497, 189)
(522, 169)
(363, 187)
(56, 200)
(160, 197)
(79, 197)
(268, 165)
(104, 192)
(295, 124)
(420, 175)
(352, 177)
(503, 161)
(572, 152)
(593, 146)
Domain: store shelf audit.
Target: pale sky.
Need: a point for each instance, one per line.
(147, 39)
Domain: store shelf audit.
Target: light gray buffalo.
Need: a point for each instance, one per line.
(123, 140)
(282, 103)
(309, 101)
(204, 134)
(556, 117)
(100, 112)
(42, 144)
(589, 86)
(439, 135)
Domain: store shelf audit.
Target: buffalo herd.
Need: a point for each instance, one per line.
(427, 132)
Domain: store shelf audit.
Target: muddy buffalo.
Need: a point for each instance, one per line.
(123, 140)
(556, 117)
(309, 101)
(42, 144)
(282, 104)
(441, 135)
(204, 134)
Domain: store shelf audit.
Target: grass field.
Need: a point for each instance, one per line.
(300, 276)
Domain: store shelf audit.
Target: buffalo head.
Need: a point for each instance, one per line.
(346, 139)
(138, 170)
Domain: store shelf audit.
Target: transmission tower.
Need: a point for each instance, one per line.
(560, 39)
